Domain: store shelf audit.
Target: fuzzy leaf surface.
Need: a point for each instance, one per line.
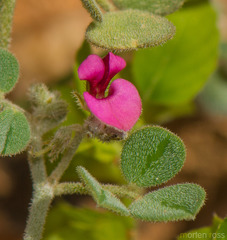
(14, 130)
(174, 73)
(9, 71)
(129, 29)
(152, 156)
(177, 202)
(103, 198)
(159, 7)
(92, 7)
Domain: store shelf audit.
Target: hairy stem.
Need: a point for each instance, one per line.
(6, 17)
(43, 195)
(44, 186)
(37, 165)
(79, 188)
(67, 158)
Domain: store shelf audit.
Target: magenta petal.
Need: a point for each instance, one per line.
(121, 109)
(92, 69)
(113, 65)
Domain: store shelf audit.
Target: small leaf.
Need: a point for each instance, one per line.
(14, 130)
(177, 202)
(104, 198)
(92, 7)
(9, 71)
(152, 156)
(163, 7)
(129, 29)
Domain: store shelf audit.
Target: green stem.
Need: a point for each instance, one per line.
(70, 188)
(67, 158)
(44, 186)
(79, 188)
(42, 198)
(6, 18)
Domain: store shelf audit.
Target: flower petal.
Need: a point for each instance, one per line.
(113, 65)
(92, 69)
(122, 107)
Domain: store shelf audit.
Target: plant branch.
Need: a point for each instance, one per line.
(67, 157)
(79, 188)
(37, 165)
(6, 18)
(42, 198)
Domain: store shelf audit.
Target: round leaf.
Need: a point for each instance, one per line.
(152, 156)
(9, 71)
(129, 29)
(163, 7)
(14, 130)
(177, 202)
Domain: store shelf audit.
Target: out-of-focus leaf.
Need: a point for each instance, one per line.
(205, 233)
(213, 98)
(174, 73)
(66, 222)
(163, 7)
(221, 232)
(198, 234)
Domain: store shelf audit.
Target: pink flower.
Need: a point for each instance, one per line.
(122, 106)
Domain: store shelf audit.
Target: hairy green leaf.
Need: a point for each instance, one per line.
(14, 129)
(129, 29)
(174, 73)
(92, 7)
(152, 156)
(159, 7)
(104, 198)
(177, 202)
(9, 71)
